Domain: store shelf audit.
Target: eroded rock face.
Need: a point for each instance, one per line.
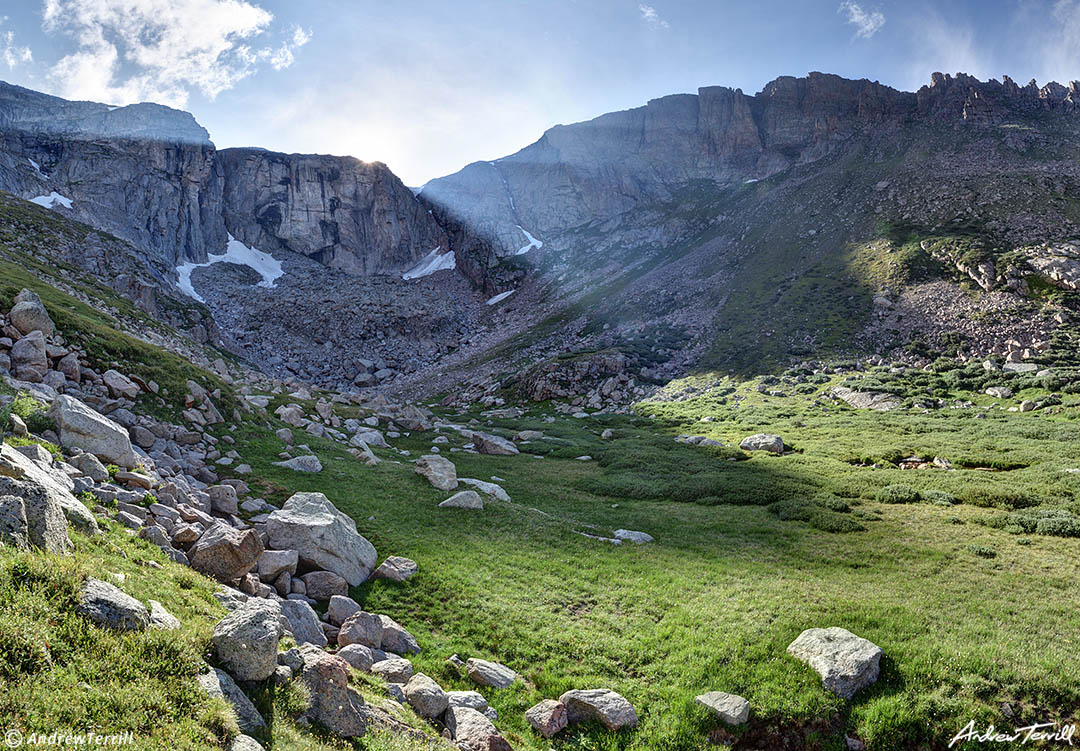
(353, 216)
(323, 537)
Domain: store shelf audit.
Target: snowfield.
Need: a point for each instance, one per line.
(51, 200)
(431, 263)
(501, 296)
(268, 267)
(533, 242)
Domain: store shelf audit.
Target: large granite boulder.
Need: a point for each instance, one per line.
(246, 640)
(29, 314)
(487, 443)
(29, 359)
(323, 537)
(774, 444)
(82, 427)
(304, 623)
(53, 482)
(425, 696)
(225, 553)
(846, 662)
(473, 731)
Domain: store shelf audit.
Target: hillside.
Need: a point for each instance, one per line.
(923, 528)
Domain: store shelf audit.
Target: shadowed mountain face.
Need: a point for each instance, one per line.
(150, 175)
(599, 169)
(715, 229)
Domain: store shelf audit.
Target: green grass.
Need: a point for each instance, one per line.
(749, 553)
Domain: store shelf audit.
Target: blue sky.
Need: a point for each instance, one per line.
(428, 86)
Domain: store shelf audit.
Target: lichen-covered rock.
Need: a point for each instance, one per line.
(331, 701)
(304, 622)
(225, 553)
(220, 684)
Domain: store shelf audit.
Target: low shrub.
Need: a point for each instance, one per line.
(898, 494)
(982, 551)
(939, 498)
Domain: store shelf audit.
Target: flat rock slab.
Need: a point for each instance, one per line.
(600, 704)
(846, 662)
(630, 535)
(732, 709)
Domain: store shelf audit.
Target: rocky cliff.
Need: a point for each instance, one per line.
(349, 215)
(150, 175)
(596, 170)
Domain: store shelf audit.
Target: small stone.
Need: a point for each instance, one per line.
(395, 568)
(466, 499)
(732, 709)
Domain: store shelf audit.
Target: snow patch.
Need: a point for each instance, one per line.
(533, 242)
(51, 200)
(751, 180)
(431, 263)
(501, 296)
(268, 267)
(36, 166)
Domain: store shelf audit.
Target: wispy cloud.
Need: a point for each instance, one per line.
(651, 17)
(161, 50)
(866, 23)
(10, 53)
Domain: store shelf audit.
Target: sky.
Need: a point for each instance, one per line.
(428, 86)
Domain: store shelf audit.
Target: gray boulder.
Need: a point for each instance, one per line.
(341, 608)
(397, 569)
(425, 696)
(53, 482)
(732, 709)
(161, 618)
(306, 463)
(361, 628)
(630, 535)
(845, 662)
(323, 537)
(90, 466)
(14, 529)
(223, 499)
(438, 470)
(29, 360)
(763, 442)
(273, 562)
(220, 684)
(304, 622)
(600, 704)
(332, 703)
(875, 400)
(246, 640)
(82, 427)
(494, 674)
(107, 606)
(225, 553)
(33, 515)
(472, 731)
(547, 718)
(396, 639)
(486, 443)
(29, 314)
(393, 670)
(322, 585)
(467, 499)
(358, 656)
(119, 384)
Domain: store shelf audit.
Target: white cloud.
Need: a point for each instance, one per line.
(161, 50)
(10, 53)
(651, 17)
(866, 23)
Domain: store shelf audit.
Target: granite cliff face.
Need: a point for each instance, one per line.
(618, 162)
(348, 215)
(150, 175)
(142, 172)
